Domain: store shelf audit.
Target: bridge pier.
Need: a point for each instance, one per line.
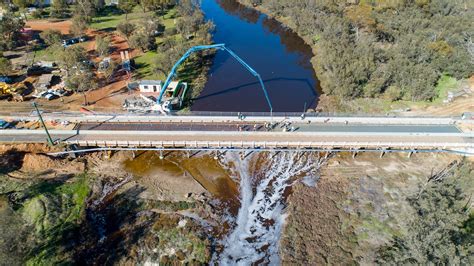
(161, 155)
(196, 153)
(72, 147)
(109, 154)
(248, 154)
(354, 154)
(382, 153)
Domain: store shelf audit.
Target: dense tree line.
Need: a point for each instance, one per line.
(397, 49)
(441, 230)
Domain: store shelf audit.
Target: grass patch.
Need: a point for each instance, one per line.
(144, 64)
(168, 18)
(110, 21)
(445, 84)
(172, 206)
(55, 209)
(374, 225)
(145, 61)
(45, 54)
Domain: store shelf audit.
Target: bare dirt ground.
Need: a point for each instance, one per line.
(356, 206)
(41, 25)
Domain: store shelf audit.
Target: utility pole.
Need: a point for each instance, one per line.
(50, 140)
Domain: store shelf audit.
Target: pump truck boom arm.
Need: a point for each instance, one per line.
(206, 47)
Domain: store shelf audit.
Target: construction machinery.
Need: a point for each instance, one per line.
(5, 91)
(17, 91)
(166, 105)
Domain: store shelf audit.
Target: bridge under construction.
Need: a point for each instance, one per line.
(315, 133)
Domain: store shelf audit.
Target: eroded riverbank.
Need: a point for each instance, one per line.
(199, 208)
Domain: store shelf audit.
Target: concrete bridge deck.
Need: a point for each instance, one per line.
(190, 132)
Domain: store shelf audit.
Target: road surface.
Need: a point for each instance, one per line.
(230, 132)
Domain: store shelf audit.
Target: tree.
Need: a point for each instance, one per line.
(51, 37)
(165, 61)
(413, 42)
(151, 25)
(59, 8)
(190, 24)
(22, 5)
(5, 66)
(99, 4)
(126, 29)
(10, 27)
(85, 10)
(79, 25)
(154, 5)
(73, 57)
(102, 46)
(126, 6)
(138, 40)
(109, 71)
(148, 5)
(82, 81)
(38, 13)
(436, 235)
(186, 8)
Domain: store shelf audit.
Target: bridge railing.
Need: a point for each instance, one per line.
(222, 114)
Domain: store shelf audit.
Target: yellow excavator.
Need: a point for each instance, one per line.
(5, 91)
(17, 91)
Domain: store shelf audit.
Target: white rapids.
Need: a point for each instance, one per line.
(258, 225)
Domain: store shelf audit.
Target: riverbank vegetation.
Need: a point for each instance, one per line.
(396, 50)
(441, 230)
(383, 211)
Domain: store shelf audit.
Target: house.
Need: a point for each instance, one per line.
(150, 85)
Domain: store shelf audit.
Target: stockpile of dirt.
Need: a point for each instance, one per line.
(22, 161)
(30, 148)
(40, 163)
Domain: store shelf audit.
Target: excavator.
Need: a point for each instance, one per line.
(5, 91)
(17, 91)
(164, 107)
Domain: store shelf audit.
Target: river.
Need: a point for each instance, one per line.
(278, 54)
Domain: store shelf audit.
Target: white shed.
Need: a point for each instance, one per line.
(150, 85)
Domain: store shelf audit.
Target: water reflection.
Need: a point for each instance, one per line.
(234, 8)
(274, 51)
